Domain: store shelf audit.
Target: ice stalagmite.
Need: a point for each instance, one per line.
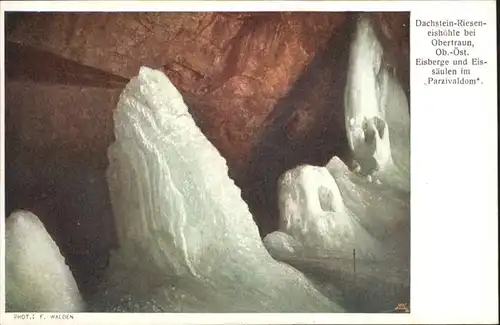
(187, 240)
(37, 278)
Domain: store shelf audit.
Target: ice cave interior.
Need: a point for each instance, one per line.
(207, 162)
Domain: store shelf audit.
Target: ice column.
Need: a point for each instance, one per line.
(328, 213)
(331, 211)
(376, 112)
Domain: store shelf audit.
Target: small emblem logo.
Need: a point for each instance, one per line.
(402, 308)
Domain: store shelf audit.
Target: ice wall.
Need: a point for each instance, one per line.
(187, 240)
(37, 278)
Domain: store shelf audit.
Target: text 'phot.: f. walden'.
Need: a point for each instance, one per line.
(42, 316)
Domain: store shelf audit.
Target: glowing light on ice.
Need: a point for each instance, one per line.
(364, 206)
(376, 112)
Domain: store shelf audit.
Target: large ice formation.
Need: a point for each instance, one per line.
(376, 112)
(315, 218)
(37, 278)
(332, 217)
(187, 240)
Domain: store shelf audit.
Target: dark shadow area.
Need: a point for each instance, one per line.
(73, 203)
(393, 31)
(22, 63)
(281, 146)
(12, 19)
(364, 291)
(64, 186)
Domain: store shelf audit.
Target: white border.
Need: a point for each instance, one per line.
(207, 6)
(454, 170)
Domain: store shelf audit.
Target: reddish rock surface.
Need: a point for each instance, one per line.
(265, 88)
(234, 66)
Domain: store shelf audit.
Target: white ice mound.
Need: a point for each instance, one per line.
(187, 240)
(37, 278)
(380, 209)
(345, 233)
(376, 112)
(315, 218)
